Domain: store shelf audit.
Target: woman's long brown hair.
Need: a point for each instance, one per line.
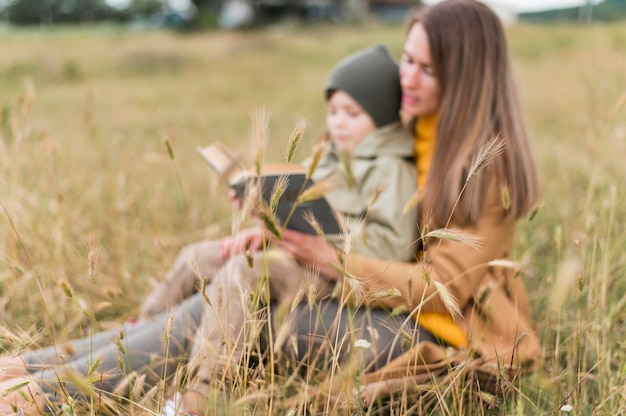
(478, 103)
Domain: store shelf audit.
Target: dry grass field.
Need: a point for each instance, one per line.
(100, 183)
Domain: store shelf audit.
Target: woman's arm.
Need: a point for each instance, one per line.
(460, 266)
(392, 284)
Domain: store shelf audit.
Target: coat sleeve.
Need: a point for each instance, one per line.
(389, 232)
(460, 267)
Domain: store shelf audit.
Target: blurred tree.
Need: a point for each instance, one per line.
(56, 11)
(146, 7)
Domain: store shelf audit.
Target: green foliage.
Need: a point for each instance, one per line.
(606, 11)
(52, 11)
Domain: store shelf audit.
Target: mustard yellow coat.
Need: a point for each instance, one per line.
(495, 315)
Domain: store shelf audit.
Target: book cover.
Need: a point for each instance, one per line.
(288, 209)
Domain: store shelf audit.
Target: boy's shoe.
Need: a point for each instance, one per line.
(174, 407)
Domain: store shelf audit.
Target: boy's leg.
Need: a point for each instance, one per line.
(194, 262)
(152, 348)
(232, 319)
(65, 352)
(37, 359)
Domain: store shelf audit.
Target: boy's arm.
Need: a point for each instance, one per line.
(389, 232)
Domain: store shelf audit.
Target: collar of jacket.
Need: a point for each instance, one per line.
(390, 140)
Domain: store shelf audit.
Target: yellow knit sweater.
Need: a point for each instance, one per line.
(440, 325)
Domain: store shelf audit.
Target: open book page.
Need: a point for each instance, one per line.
(289, 209)
(223, 160)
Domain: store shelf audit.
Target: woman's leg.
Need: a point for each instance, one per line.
(328, 334)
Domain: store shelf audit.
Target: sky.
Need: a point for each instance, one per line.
(532, 5)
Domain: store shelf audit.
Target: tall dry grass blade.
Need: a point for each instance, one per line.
(260, 131)
(167, 138)
(311, 282)
(386, 293)
(169, 328)
(249, 259)
(318, 151)
(317, 190)
(168, 145)
(94, 249)
(449, 301)
(295, 139)
(309, 217)
(279, 189)
(504, 263)
(349, 233)
(505, 194)
(28, 99)
(66, 288)
(619, 104)
(346, 162)
(357, 287)
(271, 224)
(297, 299)
(248, 206)
(458, 236)
(566, 281)
(376, 194)
(490, 151)
(412, 202)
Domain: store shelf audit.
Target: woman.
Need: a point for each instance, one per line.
(457, 83)
(477, 177)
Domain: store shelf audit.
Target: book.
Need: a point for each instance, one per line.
(290, 212)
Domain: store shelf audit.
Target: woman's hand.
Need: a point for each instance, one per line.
(310, 250)
(251, 239)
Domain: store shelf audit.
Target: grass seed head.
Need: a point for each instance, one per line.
(67, 289)
(458, 236)
(567, 279)
(312, 221)
(490, 151)
(411, 204)
(506, 197)
(449, 301)
(260, 131)
(317, 190)
(168, 145)
(279, 189)
(270, 222)
(318, 151)
(295, 139)
(346, 162)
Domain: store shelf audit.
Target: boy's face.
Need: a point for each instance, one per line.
(347, 122)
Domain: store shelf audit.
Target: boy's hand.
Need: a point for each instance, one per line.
(251, 239)
(237, 204)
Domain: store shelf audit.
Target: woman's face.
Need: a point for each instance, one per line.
(420, 90)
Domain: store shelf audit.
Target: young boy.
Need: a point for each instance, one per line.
(363, 102)
(378, 183)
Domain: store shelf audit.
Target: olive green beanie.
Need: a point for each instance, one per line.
(371, 78)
